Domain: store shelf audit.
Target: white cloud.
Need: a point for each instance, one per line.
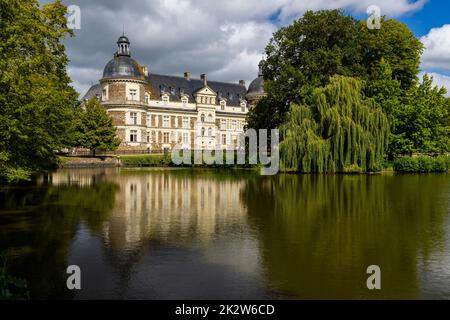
(437, 48)
(224, 38)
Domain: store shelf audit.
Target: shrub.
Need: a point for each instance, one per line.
(149, 160)
(422, 164)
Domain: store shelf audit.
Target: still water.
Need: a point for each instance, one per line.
(203, 234)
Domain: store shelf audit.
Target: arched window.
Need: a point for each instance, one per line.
(203, 132)
(209, 132)
(202, 118)
(210, 118)
(147, 98)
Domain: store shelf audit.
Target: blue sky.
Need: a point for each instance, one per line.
(434, 14)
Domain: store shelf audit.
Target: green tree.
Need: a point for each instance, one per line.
(94, 128)
(304, 55)
(338, 132)
(36, 100)
(420, 120)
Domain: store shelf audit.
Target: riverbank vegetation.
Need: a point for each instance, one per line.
(330, 124)
(422, 164)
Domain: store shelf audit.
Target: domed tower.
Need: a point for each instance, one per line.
(256, 89)
(125, 93)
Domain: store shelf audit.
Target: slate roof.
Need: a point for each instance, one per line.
(94, 91)
(177, 86)
(122, 66)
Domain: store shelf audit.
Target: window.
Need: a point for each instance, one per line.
(165, 99)
(233, 125)
(148, 137)
(166, 122)
(104, 95)
(133, 136)
(185, 137)
(133, 95)
(184, 101)
(223, 124)
(222, 105)
(210, 117)
(172, 91)
(147, 98)
(202, 118)
(185, 123)
(224, 139)
(166, 137)
(133, 117)
(209, 132)
(243, 105)
(203, 132)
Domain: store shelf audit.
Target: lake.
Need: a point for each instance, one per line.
(231, 234)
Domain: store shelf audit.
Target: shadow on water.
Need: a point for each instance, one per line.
(319, 233)
(38, 226)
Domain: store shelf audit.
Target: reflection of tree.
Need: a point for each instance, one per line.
(39, 224)
(319, 233)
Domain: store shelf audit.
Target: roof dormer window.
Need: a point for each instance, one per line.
(165, 99)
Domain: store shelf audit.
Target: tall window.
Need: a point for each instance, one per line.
(202, 118)
(185, 123)
(133, 136)
(233, 125)
(203, 132)
(185, 137)
(210, 117)
(133, 95)
(166, 121)
(222, 105)
(184, 101)
(209, 132)
(147, 98)
(166, 137)
(165, 99)
(134, 118)
(223, 124)
(224, 139)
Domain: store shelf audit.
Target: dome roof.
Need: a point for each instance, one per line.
(122, 66)
(123, 39)
(256, 87)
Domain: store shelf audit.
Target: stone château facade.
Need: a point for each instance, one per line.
(156, 112)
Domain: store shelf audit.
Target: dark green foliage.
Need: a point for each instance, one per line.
(422, 164)
(36, 100)
(338, 132)
(94, 129)
(305, 54)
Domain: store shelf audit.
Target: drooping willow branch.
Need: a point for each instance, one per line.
(340, 131)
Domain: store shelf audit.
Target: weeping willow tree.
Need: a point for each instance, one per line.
(338, 132)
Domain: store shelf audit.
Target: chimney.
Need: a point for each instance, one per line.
(187, 76)
(242, 83)
(145, 70)
(204, 77)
